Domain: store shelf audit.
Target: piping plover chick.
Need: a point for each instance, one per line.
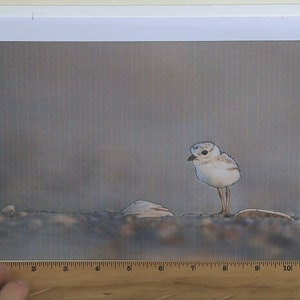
(215, 168)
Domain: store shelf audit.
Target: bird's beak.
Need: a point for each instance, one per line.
(192, 157)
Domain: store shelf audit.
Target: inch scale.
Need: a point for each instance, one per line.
(135, 279)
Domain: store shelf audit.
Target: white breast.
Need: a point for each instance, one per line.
(218, 175)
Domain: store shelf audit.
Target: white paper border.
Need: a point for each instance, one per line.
(150, 23)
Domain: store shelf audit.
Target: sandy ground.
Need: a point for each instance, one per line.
(52, 235)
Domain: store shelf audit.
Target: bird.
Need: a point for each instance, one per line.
(215, 168)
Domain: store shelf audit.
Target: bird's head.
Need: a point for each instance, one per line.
(204, 151)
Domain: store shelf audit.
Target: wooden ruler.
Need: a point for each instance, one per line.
(159, 279)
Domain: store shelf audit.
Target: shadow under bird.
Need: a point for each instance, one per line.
(215, 168)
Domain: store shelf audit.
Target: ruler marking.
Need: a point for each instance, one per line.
(145, 264)
(52, 277)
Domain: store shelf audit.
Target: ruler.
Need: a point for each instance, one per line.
(131, 279)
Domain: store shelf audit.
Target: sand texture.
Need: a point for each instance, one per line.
(125, 235)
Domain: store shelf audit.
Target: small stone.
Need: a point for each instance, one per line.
(35, 223)
(8, 210)
(128, 228)
(62, 219)
(169, 233)
(23, 214)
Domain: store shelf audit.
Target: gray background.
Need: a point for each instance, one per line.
(95, 126)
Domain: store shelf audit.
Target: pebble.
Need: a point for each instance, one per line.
(62, 219)
(8, 210)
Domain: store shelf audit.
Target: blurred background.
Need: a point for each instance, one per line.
(96, 126)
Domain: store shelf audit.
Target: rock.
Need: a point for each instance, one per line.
(145, 209)
(64, 220)
(262, 213)
(8, 210)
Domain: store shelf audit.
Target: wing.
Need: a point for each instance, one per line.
(228, 162)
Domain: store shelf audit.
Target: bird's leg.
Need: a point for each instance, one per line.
(221, 195)
(227, 193)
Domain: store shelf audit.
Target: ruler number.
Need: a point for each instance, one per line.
(65, 268)
(97, 268)
(287, 268)
(129, 268)
(257, 268)
(33, 268)
(225, 268)
(193, 267)
(161, 268)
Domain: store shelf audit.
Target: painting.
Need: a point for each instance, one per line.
(124, 149)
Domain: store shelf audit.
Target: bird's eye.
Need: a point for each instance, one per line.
(204, 152)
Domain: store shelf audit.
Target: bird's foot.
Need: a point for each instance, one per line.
(225, 213)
